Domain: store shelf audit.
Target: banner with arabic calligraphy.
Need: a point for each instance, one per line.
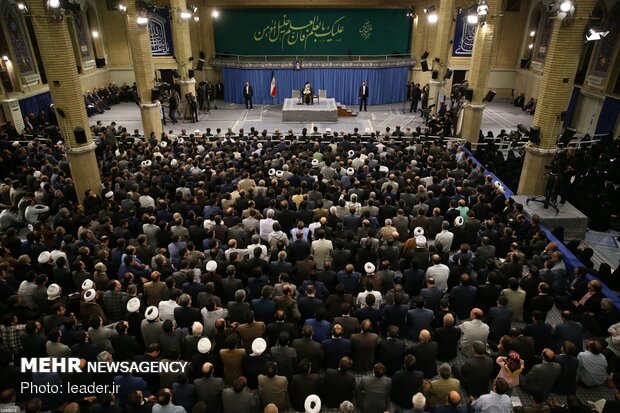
(312, 32)
(464, 34)
(160, 32)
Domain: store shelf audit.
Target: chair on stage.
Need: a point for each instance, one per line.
(296, 94)
(322, 95)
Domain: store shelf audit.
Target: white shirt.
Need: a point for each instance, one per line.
(361, 299)
(166, 310)
(146, 201)
(266, 226)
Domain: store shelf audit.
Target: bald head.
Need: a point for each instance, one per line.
(271, 408)
(454, 398)
(448, 320)
(207, 369)
(425, 336)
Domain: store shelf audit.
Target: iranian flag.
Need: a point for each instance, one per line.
(273, 89)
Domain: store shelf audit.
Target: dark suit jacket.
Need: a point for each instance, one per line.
(426, 355)
(236, 311)
(185, 317)
(569, 330)
(499, 320)
(334, 349)
(209, 390)
(302, 386)
(391, 353)
(447, 339)
(337, 387)
(394, 315)
(311, 350)
(475, 375)
(350, 325)
(264, 309)
(363, 347)
(363, 93)
(249, 92)
(404, 385)
(462, 300)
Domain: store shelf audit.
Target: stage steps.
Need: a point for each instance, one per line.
(344, 112)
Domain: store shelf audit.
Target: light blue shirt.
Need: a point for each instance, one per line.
(490, 403)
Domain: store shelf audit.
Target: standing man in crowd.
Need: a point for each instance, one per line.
(248, 93)
(363, 95)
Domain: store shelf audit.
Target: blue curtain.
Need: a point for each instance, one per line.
(387, 85)
(609, 116)
(572, 105)
(35, 104)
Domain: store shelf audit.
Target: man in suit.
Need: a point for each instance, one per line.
(349, 323)
(336, 348)
(390, 351)
(425, 353)
(447, 338)
(442, 387)
(272, 387)
(568, 330)
(418, 319)
(185, 315)
(542, 376)
(320, 249)
(209, 389)
(309, 349)
(477, 371)
(499, 319)
(473, 330)
(363, 347)
(406, 382)
(363, 95)
(416, 94)
(303, 385)
(462, 297)
(374, 391)
(248, 93)
(338, 384)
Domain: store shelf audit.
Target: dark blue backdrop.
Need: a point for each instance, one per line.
(609, 115)
(35, 104)
(386, 85)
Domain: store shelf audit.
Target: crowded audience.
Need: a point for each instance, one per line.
(364, 274)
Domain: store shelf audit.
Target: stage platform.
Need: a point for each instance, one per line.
(574, 222)
(323, 111)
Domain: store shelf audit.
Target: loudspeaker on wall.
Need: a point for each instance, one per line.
(80, 135)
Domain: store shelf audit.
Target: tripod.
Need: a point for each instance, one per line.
(551, 193)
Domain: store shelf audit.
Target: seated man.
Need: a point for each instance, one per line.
(307, 93)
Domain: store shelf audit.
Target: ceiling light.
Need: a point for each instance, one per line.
(142, 20)
(122, 8)
(215, 14)
(193, 8)
(5, 58)
(22, 7)
(432, 17)
(483, 8)
(532, 33)
(472, 19)
(596, 34)
(185, 15)
(95, 34)
(530, 46)
(54, 4)
(196, 18)
(566, 6)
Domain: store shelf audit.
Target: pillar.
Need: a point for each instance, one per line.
(561, 62)
(140, 49)
(207, 38)
(479, 69)
(441, 51)
(421, 41)
(66, 91)
(182, 50)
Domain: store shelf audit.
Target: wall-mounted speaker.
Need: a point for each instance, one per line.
(490, 95)
(190, 73)
(424, 55)
(448, 74)
(535, 134)
(200, 65)
(469, 95)
(100, 62)
(435, 75)
(567, 135)
(424, 65)
(80, 135)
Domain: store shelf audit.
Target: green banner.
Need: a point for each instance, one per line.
(312, 31)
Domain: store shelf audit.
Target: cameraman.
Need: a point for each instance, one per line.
(193, 106)
(173, 103)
